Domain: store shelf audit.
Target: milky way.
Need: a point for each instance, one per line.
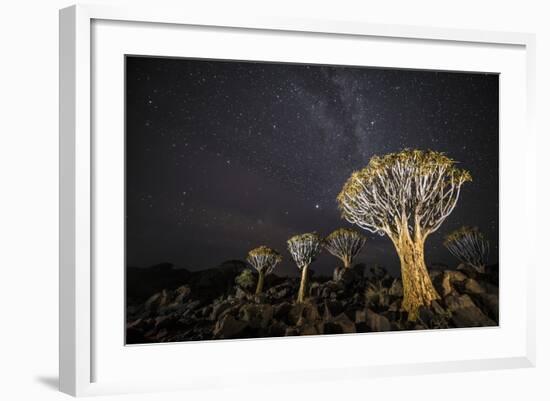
(224, 156)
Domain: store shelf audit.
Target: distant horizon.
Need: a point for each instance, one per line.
(393, 272)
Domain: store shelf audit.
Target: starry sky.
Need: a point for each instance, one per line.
(224, 156)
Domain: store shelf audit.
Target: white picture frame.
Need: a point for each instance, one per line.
(82, 344)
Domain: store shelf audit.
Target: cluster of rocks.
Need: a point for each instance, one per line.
(209, 305)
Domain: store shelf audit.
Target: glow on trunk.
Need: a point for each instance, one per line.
(260, 286)
(418, 289)
(303, 285)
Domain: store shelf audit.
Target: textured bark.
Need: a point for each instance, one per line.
(418, 289)
(303, 285)
(260, 286)
(347, 262)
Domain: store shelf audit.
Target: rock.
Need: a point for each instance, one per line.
(442, 284)
(471, 317)
(233, 310)
(455, 302)
(377, 322)
(360, 316)
(182, 293)
(332, 308)
(279, 292)
(489, 305)
(426, 316)
(455, 276)
(491, 289)
(396, 289)
(361, 327)
(229, 327)
(260, 298)
(346, 325)
(241, 294)
(156, 301)
(292, 331)
(257, 316)
(189, 307)
(465, 313)
(280, 311)
(218, 309)
(308, 329)
(303, 312)
(277, 329)
(204, 312)
(437, 308)
(473, 287)
(395, 306)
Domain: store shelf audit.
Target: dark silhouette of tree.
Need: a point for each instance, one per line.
(469, 246)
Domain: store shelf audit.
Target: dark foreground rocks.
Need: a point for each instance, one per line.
(210, 305)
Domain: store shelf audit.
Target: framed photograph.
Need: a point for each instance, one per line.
(327, 190)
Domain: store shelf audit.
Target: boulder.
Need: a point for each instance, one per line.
(489, 305)
(308, 329)
(360, 316)
(156, 301)
(280, 311)
(465, 313)
(442, 284)
(473, 287)
(332, 308)
(279, 292)
(346, 325)
(302, 312)
(277, 329)
(218, 308)
(377, 322)
(182, 293)
(456, 276)
(229, 327)
(257, 316)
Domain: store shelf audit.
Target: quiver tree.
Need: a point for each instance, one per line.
(344, 243)
(469, 246)
(406, 196)
(264, 260)
(304, 248)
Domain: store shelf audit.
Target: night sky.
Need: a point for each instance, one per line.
(224, 156)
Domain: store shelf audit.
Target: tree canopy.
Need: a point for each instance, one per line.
(412, 190)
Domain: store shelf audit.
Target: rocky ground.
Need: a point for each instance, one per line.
(166, 304)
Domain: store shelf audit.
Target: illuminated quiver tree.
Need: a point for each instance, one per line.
(264, 260)
(469, 246)
(407, 196)
(345, 244)
(304, 248)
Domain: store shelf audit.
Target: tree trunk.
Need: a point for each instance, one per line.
(260, 285)
(418, 289)
(303, 285)
(347, 262)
